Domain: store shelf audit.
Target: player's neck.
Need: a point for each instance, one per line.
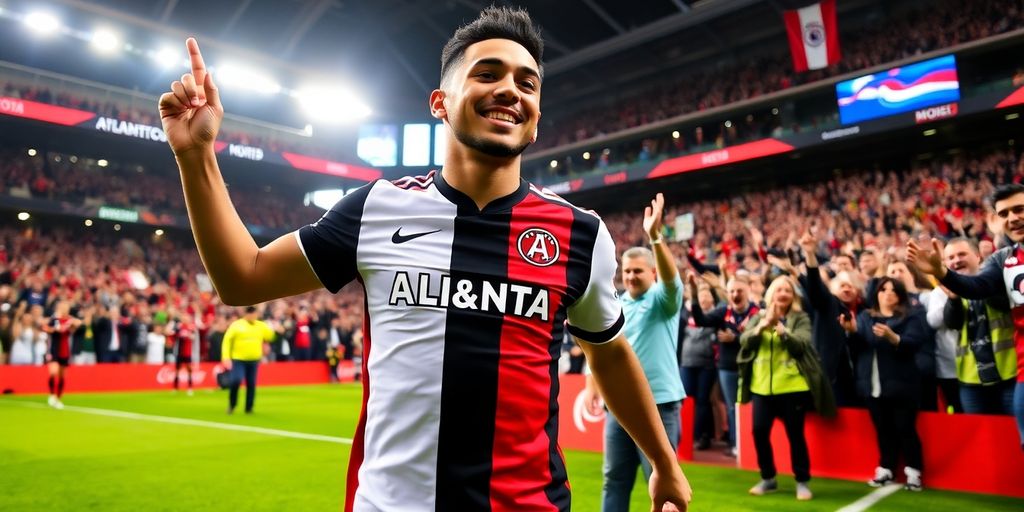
(482, 178)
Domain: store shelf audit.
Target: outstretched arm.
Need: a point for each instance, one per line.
(241, 271)
(985, 284)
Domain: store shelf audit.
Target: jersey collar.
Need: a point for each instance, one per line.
(466, 204)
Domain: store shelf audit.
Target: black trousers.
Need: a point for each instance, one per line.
(791, 408)
(895, 422)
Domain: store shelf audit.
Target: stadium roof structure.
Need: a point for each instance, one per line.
(388, 50)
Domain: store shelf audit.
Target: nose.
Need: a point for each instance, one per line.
(506, 89)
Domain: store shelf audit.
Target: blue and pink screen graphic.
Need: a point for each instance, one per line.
(902, 89)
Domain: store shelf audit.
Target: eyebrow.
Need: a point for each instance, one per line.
(492, 61)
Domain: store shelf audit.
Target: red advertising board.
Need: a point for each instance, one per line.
(134, 377)
(963, 452)
(729, 155)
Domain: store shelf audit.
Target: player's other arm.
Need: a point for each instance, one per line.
(620, 379)
(242, 272)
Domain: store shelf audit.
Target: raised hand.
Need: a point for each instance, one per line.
(927, 260)
(652, 216)
(192, 112)
(808, 242)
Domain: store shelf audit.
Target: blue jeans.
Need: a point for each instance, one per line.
(994, 399)
(729, 381)
(698, 381)
(1018, 411)
(622, 456)
(239, 370)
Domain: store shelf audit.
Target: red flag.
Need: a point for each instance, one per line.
(813, 35)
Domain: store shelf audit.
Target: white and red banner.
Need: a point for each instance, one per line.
(813, 35)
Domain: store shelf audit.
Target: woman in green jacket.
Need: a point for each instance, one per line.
(781, 374)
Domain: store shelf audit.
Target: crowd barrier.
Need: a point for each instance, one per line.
(138, 377)
(962, 452)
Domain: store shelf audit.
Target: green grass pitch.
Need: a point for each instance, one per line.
(83, 458)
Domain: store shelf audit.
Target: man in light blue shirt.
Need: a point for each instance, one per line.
(651, 305)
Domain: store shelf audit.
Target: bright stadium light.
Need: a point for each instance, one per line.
(42, 22)
(102, 163)
(324, 199)
(32, 152)
(334, 105)
(105, 41)
(88, 222)
(242, 78)
(166, 57)
(23, 216)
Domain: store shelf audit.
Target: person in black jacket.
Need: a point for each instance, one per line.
(842, 295)
(729, 321)
(884, 340)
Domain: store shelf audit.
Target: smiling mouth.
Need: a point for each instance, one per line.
(504, 117)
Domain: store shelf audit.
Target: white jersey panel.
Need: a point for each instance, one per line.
(404, 247)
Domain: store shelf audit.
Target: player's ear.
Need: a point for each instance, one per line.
(437, 108)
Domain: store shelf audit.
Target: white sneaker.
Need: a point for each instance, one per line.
(52, 401)
(913, 479)
(57, 404)
(803, 492)
(882, 477)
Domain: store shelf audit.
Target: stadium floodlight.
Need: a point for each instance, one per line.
(166, 57)
(675, 134)
(586, 155)
(32, 152)
(42, 23)
(242, 78)
(101, 162)
(324, 199)
(23, 216)
(88, 223)
(159, 232)
(553, 164)
(332, 105)
(105, 41)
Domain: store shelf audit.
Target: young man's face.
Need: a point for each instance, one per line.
(492, 100)
(1010, 212)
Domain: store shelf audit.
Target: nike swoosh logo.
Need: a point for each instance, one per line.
(399, 238)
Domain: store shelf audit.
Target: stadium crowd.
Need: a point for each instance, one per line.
(136, 295)
(74, 180)
(937, 25)
(234, 132)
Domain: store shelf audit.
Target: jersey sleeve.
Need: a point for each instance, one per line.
(597, 316)
(330, 243)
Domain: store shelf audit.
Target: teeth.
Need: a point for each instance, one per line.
(501, 116)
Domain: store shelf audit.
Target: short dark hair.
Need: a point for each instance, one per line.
(1004, 191)
(493, 23)
(250, 309)
(967, 240)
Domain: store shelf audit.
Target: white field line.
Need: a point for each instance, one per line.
(867, 501)
(189, 422)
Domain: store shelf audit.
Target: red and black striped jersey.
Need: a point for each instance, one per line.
(464, 318)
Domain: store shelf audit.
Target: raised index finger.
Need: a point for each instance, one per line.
(198, 66)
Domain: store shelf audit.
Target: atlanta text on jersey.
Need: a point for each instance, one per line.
(475, 294)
